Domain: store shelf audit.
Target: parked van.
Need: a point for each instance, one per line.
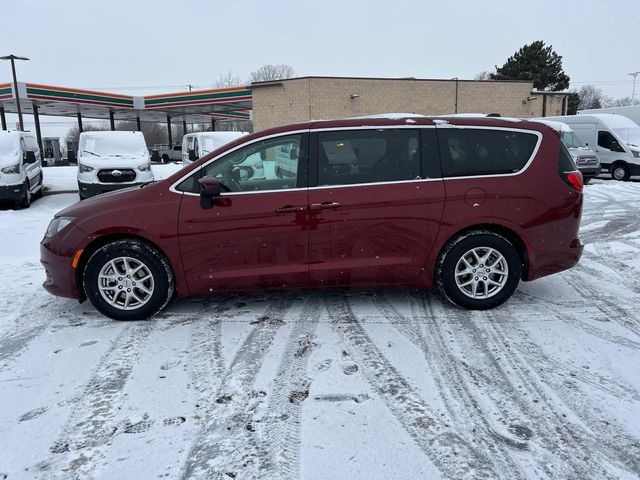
(199, 144)
(586, 159)
(470, 206)
(615, 138)
(631, 112)
(20, 168)
(109, 161)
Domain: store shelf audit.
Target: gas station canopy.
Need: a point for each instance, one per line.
(199, 106)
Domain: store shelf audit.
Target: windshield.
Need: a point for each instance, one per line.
(9, 145)
(571, 140)
(630, 135)
(114, 146)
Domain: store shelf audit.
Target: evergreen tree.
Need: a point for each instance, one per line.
(536, 62)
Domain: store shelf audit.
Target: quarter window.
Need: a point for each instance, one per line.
(272, 164)
(471, 151)
(348, 157)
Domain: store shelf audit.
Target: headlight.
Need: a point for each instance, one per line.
(12, 169)
(635, 154)
(57, 224)
(145, 167)
(85, 168)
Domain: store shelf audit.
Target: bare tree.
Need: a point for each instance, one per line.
(483, 75)
(591, 97)
(619, 102)
(73, 134)
(227, 80)
(271, 72)
(154, 133)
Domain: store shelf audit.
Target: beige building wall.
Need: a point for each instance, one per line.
(323, 98)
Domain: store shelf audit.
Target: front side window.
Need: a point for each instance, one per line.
(272, 164)
(469, 151)
(571, 140)
(348, 157)
(608, 141)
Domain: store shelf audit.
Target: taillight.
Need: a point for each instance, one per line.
(573, 179)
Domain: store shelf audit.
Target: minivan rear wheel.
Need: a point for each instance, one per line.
(620, 172)
(128, 280)
(478, 271)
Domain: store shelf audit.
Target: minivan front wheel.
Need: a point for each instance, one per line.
(478, 271)
(128, 280)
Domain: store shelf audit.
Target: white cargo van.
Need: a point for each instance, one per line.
(20, 168)
(615, 138)
(586, 159)
(197, 145)
(110, 161)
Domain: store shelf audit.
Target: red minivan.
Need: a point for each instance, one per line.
(468, 205)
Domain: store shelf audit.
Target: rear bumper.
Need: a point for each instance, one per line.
(556, 261)
(12, 192)
(92, 189)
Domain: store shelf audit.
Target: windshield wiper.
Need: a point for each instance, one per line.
(87, 151)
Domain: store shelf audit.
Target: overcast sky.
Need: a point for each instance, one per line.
(144, 47)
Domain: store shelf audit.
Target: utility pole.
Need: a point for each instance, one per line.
(633, 94)
(13, 58)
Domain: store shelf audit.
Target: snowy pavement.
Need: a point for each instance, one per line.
(347, 385)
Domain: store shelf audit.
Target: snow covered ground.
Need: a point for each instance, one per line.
(318, 385)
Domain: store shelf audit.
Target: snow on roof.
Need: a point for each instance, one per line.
(611, 119)
(556, 125)
(390, 116)
(109, 133)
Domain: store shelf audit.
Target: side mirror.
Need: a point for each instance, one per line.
(30, 157)
(192, 155)
(210, 187)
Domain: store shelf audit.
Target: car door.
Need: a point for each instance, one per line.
(609, 149)
(255, 236)
(375, 211)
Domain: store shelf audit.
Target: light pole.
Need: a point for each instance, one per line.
(633, 95)
(13, 58)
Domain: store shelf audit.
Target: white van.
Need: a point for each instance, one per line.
(20, 168)
(586, 159)
(197, 145)
(615, 138)
(109, 161)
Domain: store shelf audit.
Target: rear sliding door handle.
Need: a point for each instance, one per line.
(323, 206)
(291, 209)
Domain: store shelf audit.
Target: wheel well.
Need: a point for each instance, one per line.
(505, 232)
(100, 242)
(619, 162)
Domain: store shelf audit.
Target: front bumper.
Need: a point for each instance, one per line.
(92, 189)
(12, 192)
(590, 171)
(61, 276)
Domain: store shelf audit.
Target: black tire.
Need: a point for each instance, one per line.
(165, 158)
(25, 201)
(452, 254)
(156, 265)
(619, 171)
(586, 180)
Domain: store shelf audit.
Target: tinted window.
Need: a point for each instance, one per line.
(365, 156)
(565, 161)
(608, 141)
(268, 165)
(471, 151)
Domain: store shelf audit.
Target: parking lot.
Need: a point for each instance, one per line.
(336, 384)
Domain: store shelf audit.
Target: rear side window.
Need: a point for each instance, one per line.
(348, 157)
(469, 151)
(565, 162)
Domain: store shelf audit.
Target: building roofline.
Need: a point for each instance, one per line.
(322, 77)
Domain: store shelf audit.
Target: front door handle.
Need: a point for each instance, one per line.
(323, 206)
(291, 209)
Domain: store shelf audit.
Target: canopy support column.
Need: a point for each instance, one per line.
(138, 122)
(169, 131)
(184, 126)
(112, 120)
(3, 118)
(36, 118)
(80, 122)
(213, 125)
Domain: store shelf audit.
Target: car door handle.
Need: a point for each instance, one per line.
(291, 209)
(323, 206)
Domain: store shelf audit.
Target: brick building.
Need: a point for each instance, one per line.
(307, 98)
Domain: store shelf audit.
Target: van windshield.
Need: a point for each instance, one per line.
(571, 140)
(630, 136)
(9, 145)
(115, 146)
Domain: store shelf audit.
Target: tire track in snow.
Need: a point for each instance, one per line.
(225, 444)
(92, 423)
(447, 450)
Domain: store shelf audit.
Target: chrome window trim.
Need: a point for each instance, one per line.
(369, 127)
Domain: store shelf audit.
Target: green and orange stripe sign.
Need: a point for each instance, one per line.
(201, 97)
(5, 91)
(46, 92)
